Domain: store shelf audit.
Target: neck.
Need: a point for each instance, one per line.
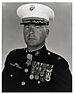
(34, 48)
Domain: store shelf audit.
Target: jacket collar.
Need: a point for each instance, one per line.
(41, 50)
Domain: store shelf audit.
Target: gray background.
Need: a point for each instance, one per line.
(60, 37)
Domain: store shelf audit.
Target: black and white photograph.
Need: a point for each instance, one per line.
(36, 46)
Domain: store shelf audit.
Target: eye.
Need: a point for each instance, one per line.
(37, 27)
(26, 26)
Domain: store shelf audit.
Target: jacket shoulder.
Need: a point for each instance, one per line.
(16, 51)
(15, 55)
(56, 59)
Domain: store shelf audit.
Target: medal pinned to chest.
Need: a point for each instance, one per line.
(29, 59)
(41, 71)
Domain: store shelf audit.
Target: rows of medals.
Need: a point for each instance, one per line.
(39, 71)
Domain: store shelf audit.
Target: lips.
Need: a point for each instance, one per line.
(31, 36)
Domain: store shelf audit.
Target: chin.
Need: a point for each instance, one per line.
(32, 43)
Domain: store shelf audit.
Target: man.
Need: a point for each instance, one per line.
(35, 69)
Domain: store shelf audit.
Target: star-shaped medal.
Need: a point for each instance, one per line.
(28, 62)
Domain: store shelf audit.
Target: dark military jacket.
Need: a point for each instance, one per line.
(38, 71)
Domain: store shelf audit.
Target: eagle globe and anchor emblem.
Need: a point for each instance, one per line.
(32, 7)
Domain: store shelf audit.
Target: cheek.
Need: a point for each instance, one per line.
(41, 35)
(25, 33)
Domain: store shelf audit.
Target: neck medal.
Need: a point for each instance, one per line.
(29, 59)
(29, 56)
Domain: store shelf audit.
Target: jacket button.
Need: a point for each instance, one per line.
(48, 53)
(23, 83)
(25, 70)
(11, 75)
(59, 58)
(38, 82)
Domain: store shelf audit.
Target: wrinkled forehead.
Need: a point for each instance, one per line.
(35, 21)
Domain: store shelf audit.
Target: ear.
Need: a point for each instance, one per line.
(47, 32)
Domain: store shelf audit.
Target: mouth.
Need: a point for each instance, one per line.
(31, 37)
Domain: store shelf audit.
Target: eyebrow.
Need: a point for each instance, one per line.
(34, 25)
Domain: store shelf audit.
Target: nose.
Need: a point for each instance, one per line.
(31, 28)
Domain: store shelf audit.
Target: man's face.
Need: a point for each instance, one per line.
(35, 35)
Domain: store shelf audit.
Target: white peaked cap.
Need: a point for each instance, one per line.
(35, 10)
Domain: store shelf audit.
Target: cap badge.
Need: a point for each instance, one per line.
(32, 7)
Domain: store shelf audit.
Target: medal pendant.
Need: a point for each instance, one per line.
(48, 78)
(36, 77)
(29, 56)
(31, 76)
(42, 79)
